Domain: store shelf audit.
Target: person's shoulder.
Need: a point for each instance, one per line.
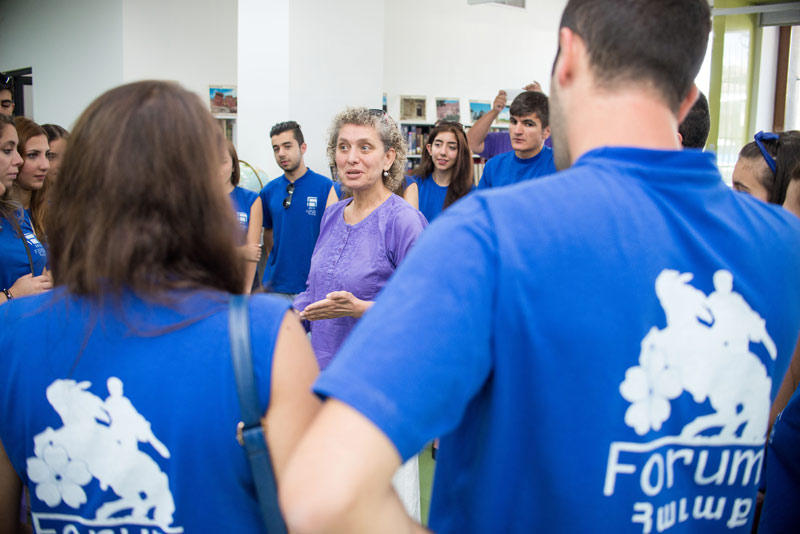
(318, 178)
(499, 159)
(246, 194)
(266, 305)
(273, 184)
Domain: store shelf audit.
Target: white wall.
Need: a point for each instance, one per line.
(263, 78)
(447, 48)
(764, 90)
(73, 47)
(193, 42)
(336, 52)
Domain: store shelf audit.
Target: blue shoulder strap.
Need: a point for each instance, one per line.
(251, 433)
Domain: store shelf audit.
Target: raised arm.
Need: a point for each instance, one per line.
(477, 133)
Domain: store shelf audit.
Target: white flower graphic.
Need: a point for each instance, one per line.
(58, 478)
(649, 388)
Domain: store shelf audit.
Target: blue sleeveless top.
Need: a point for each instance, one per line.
(125, 417)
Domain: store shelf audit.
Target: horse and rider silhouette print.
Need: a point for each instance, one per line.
(100, 440)
(703, 350)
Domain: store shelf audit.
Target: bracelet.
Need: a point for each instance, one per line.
(8, 294)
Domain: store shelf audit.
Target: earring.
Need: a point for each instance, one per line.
(385, 174)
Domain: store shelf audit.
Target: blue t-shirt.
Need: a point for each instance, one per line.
(98, 415)
(242, 200)
(780, 512)
(507, 169)
(13, 256)
(500, 142)
(431, 197)
(294, 229)
(603, 358)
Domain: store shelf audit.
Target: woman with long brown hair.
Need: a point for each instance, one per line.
(22, 257)
(29, 187)
(247, 205)
(445, 171)
(118, 402)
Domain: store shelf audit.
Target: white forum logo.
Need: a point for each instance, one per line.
(100, 439)
(704, 350)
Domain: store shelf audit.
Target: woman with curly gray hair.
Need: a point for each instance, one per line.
(362, 239)
(361, 242)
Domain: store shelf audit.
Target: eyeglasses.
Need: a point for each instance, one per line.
(288, 200)
(766, 136)
(6, 80)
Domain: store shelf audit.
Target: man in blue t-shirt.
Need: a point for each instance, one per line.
(293, 206)
(530, 158)
(603, 353)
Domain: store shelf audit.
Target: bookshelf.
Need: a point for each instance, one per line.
(416, 135)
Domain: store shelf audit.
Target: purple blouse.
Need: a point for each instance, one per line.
(358, 258)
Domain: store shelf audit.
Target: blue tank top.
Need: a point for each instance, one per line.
(125, 417)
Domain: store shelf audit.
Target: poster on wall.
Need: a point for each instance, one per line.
(448, 109)
(478, 109)
(222, 99)
(412, 108)
(504, 117)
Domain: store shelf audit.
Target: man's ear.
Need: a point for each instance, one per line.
(570, 46)
(687, 103)
(303, 148)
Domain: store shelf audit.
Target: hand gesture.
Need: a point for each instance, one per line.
(336, 304)
(500, 101)
(31, 285)
(534, 87)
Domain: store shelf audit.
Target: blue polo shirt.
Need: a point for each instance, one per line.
(507, 168)
(603, 358)
(294, 229)
(13, 257)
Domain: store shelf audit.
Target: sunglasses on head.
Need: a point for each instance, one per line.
(6, 81)
(288, 200)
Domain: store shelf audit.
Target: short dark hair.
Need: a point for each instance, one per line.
(694, 128)
(786, 151)
(285, 127)
(529, 102)
(659, 42)
(6, 82)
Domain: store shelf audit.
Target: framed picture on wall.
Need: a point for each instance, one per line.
(448, 109)
(222, 99)
(478, 108)
(412, 108)
(504, 117)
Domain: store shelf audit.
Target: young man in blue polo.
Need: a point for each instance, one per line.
(530, 157)
(293, 206)
(604, 356)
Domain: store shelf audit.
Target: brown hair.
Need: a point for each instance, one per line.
(9, 210)
(26, 129)
(235, 173)
(786, 152)
(139, 203)
(461, 179)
